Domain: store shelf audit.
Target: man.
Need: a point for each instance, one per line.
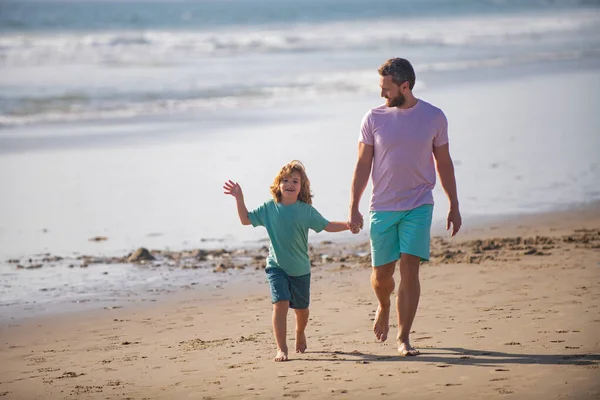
(397, 146)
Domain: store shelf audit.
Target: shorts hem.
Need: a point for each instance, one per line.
(295, 307)
(273, 301)
(381, 264)
(421, 257)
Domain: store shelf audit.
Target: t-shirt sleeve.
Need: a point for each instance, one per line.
(257, 216)
(366, 129)
(441, 137)
(316, 221)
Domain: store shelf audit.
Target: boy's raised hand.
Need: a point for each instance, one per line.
(233, 188)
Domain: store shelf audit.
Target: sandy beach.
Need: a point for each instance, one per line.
(120, 121)
(508, 310)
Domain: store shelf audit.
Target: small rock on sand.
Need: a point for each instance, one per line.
(141, 254)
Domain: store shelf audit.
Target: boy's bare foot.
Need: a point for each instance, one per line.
(300, 342)
(407, 350)
(281, 356)
(381, 326)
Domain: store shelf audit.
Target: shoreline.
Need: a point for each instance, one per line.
(198, 269)
(475, 223)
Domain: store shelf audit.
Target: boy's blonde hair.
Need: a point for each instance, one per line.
(293, 166)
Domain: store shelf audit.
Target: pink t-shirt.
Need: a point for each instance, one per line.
(403, 170)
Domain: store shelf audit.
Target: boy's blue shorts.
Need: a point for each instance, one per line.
(400, 232)
(295, 289)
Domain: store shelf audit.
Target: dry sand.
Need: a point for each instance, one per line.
(507, 310)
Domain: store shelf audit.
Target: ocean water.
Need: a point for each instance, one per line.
(123, 118)
(64, 61)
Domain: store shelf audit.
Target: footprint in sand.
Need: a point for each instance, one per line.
(69, 375)
(79, 389)
(504, 391)
(422, 338)
(49, 369)
(35, 360)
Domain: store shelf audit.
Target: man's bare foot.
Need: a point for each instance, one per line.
(281, 356)
(300, 342)
(407, 350)
(381, 327)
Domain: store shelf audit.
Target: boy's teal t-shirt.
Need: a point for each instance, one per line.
(288, 227)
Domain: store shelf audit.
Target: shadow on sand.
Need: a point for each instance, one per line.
(461, 356)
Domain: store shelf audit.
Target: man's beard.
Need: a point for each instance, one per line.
(396, 102)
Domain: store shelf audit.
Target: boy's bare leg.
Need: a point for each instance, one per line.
(301, 322)
(382, 280)
(280, 310)
(407, 301)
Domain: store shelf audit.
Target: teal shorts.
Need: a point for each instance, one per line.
(295, 289)
(400, 232)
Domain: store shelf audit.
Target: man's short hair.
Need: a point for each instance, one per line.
(400, 70)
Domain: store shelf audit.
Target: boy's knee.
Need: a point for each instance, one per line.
(282, 304)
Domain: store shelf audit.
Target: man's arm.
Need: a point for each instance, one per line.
(445, 169)
(359, 184)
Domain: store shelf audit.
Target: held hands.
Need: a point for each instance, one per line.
(355, 221)
(234, 189)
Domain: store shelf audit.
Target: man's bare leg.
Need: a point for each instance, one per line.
(407, 301)
(280, 310)
(301, 322)
(382, 280)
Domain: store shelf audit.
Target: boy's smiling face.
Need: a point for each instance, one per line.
(290, 188)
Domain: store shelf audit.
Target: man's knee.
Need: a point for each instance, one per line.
(409, 267)
(384, 272)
